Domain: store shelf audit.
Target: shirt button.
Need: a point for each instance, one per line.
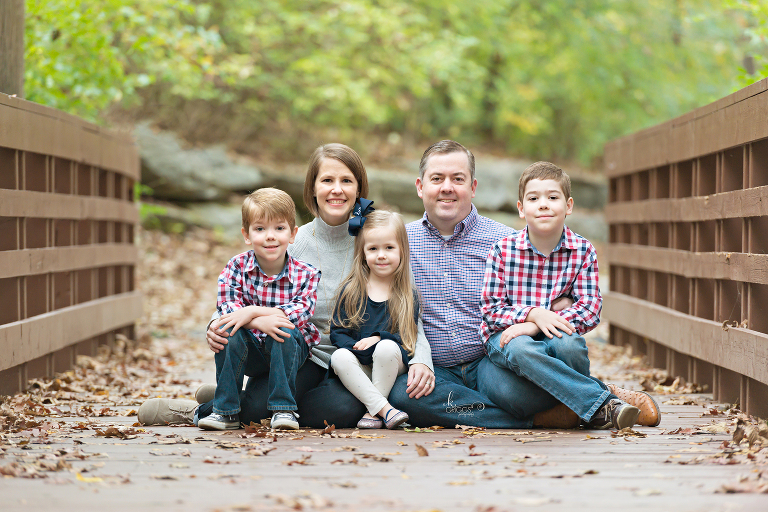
(446, 274)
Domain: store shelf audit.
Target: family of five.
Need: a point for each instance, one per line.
(356, 319)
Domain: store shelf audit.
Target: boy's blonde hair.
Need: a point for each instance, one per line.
(269, 204)
(544, 171)
(401, 302)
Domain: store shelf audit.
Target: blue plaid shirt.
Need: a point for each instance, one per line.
(449, 276)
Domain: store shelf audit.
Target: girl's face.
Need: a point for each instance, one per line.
(382, 252)
(335, 191)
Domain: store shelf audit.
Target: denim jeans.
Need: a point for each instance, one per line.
(558, 366)
(456, 400)
(278, 361)
(319, 398)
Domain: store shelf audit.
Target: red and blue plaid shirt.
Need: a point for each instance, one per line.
(294, 290)
(519, 278)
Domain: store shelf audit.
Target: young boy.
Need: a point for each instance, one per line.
(266, 299)
(524, 274)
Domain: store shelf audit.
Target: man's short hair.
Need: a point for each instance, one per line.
(544, 171)
(268, 204)
(443, 148)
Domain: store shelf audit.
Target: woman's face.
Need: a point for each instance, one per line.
(335, 191)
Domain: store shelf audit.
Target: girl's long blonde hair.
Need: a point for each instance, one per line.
(401, 303)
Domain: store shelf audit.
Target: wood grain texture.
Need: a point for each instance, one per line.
(731, 121)
(31, 127)
(748, 268)
(739, 350)
(751, 202)
(29, 262)
(40, 335)
(26, 203)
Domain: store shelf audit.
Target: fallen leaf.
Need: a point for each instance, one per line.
(421, 451)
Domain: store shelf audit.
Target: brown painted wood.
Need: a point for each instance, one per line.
(30, 127)
(748, 268)
(738, 350)
(64, 259)
(43, 334)
(726, 205)
(729, 122)
(31, 204)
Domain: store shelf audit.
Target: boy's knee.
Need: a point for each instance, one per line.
(571, 349)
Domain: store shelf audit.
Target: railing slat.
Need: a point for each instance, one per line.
(52, 331)
(29, 262)
(26, 203)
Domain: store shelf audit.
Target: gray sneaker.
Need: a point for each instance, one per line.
(205, 393)
(616, 414)
(167, 411)
(285, 420)
(220, 422)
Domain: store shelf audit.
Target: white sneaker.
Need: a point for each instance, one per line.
(285, 420)
(220, 422)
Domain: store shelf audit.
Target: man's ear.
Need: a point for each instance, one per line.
(418, 186)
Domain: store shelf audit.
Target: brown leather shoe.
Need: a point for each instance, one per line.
(559, 416)
(650, 414)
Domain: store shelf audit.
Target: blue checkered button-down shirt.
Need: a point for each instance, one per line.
(449, 276)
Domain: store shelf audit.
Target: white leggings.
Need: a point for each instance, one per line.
(371, 384)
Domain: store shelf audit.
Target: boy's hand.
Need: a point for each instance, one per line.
(549, 322)
(513, 331)
(235, 320)
(271, 326)
(366, 342)
(562, 303)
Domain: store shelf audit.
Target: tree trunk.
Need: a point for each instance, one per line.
(12, 47)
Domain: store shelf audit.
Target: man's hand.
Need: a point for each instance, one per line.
(549, 322)
(271, 326)
(216, 338)
(562, 303)
(421, 381)
(513, 331)
(366, 342)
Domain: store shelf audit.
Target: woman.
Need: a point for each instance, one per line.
(336, 178)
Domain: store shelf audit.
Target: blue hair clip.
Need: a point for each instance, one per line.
(359, 211)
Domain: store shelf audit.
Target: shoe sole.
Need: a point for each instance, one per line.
(645, 417)
(286, 426)
(627, 417)
(217, 426)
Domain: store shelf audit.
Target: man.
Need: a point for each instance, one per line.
(449, 249)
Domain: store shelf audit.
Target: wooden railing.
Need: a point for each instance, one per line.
(67, 253)
(688, 253)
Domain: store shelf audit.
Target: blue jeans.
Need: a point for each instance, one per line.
(558, 366)
(279, 361)
(456, 399)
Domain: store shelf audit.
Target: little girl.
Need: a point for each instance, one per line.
(374, 321)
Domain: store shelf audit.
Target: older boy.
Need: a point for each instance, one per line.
(525, 272)
(266, 299)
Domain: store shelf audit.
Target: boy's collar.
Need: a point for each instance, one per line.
(253, 263)
(567, 241)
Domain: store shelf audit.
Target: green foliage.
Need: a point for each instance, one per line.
(542, 79)
(753, 18)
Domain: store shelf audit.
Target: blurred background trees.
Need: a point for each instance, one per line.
(542, 79)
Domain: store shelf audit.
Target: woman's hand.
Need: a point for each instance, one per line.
(366, 342)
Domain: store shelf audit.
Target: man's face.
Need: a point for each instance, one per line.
(447, 190)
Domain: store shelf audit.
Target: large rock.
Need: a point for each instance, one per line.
(195, 174)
